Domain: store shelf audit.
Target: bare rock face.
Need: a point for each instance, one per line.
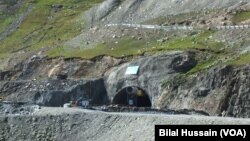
(237, 102)
(99, 12)
(152, 72)
(54, 92)
(138, 11)
(220, 91)
(38, 67)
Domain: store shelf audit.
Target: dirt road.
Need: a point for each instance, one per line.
(78, 124)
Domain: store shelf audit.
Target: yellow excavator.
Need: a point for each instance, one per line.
(1, 98)
(139, 93)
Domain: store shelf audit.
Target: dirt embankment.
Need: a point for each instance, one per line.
(76, 124)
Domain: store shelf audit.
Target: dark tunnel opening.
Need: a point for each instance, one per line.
(132, 96)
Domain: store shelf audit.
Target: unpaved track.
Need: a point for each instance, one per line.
(87, 125)
(171, 28)
(177, 119)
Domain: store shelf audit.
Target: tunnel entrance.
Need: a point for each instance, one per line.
(132, 96)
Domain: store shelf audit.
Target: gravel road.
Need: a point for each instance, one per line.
(175, 119)
(79, 124)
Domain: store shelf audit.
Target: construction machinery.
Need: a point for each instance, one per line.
(1, 99)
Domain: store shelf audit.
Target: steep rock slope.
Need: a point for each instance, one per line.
(54, 93)
(219, 91)
(140, 10)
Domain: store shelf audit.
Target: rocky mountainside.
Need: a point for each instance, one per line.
(55, 51)
(193, 58)
(137, 11)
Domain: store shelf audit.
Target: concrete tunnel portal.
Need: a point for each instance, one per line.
(132, 96)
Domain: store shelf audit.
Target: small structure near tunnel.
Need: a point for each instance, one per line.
(132, 96)
(132, 70)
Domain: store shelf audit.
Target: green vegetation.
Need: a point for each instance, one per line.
(160, 20)
(127, 46)
(179, 18)
(200, 40)
(7, 18)
(205, 65)
(53, 22)
(3, 55)
(6, 22)
(241, 60)
(202, 65)
(123, 47)
(241, 16)
(49, 24)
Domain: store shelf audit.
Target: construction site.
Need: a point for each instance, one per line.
(104, 70)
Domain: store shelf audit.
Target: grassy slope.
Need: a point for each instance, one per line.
(128, 46)
(241, 16)
(45, 27)
(6, 19)
(123, 47)
(243, 58)
(240, 60)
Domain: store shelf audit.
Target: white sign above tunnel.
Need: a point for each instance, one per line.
(132, 70)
